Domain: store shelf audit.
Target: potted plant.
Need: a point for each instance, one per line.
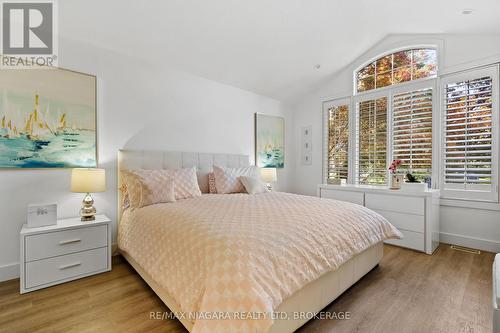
(412, 184)
(396, 178)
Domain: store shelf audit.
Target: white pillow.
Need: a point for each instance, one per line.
(253, 185)
(227, 180)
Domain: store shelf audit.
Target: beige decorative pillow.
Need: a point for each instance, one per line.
(227, 180)
(157, 190)
(124, 194)
(253, 185)
(132, 188)
(148, 187)
(186, 183)
(211, 183)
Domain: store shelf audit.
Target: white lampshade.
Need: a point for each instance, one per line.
(88, 180)
(268, 175)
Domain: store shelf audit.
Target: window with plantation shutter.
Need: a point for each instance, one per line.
(442, 127)
(337, 131)
(372, 142)
(470, 105)
(412, 131)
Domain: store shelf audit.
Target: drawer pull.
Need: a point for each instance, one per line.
(70, 265)
(71, 241)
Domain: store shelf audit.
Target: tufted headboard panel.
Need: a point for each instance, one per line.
(154, 160)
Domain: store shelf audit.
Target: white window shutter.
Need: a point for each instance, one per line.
(412, 131)
(470, 140)
(372, 142)
(337, 118)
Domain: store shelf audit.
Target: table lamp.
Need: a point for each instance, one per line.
(88, 181)
(268, 176)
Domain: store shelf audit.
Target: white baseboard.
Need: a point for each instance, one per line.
(9, 272)
(470, 242)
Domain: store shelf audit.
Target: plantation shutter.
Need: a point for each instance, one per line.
(412, 131)
(372, 142)
(338, 142)
(469, 136)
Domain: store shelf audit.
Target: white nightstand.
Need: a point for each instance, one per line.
(69, 250)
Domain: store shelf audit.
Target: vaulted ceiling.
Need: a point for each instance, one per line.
(269, 47)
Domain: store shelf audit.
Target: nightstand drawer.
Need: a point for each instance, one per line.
(42, 246)
(65, 267)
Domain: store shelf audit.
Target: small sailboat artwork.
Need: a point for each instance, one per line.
(269, 141)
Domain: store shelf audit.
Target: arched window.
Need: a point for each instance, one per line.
(446, 135)
(398, 67)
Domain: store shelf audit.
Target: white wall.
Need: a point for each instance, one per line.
(140, 106)
(474, 227)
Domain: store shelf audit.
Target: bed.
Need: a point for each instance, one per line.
(269, 259)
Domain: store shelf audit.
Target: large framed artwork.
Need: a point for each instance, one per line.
(47, 119)
(269, 141)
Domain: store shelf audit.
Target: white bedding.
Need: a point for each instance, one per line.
(241, 255)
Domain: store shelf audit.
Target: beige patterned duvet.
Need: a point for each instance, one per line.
(230, 260)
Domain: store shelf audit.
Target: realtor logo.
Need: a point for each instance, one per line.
(28, 34)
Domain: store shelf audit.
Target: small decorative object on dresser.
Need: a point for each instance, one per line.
(88, 181)
(41, 214)
(412, 184)
(396, 179)
(268, 176)
(69, 250)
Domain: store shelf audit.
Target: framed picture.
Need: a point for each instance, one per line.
(269, 141)
(47, 119)
(306, 141)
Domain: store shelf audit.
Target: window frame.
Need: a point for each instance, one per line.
(392, 51)
(326, 106)
(454, 192)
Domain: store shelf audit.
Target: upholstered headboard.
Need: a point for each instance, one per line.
(154, 160)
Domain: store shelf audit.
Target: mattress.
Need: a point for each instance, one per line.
(229, 261)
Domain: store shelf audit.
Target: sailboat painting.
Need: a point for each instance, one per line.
(47, 119)
(269, 141)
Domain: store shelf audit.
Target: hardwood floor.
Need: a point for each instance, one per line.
(449, 291)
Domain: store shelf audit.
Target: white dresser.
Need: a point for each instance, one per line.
(70, 250)
(415, 214)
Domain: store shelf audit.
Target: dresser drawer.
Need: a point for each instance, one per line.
(394, 203)
(65, 267)
(349, 196)
(411, 239)
(404, 221)
(42, 246)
